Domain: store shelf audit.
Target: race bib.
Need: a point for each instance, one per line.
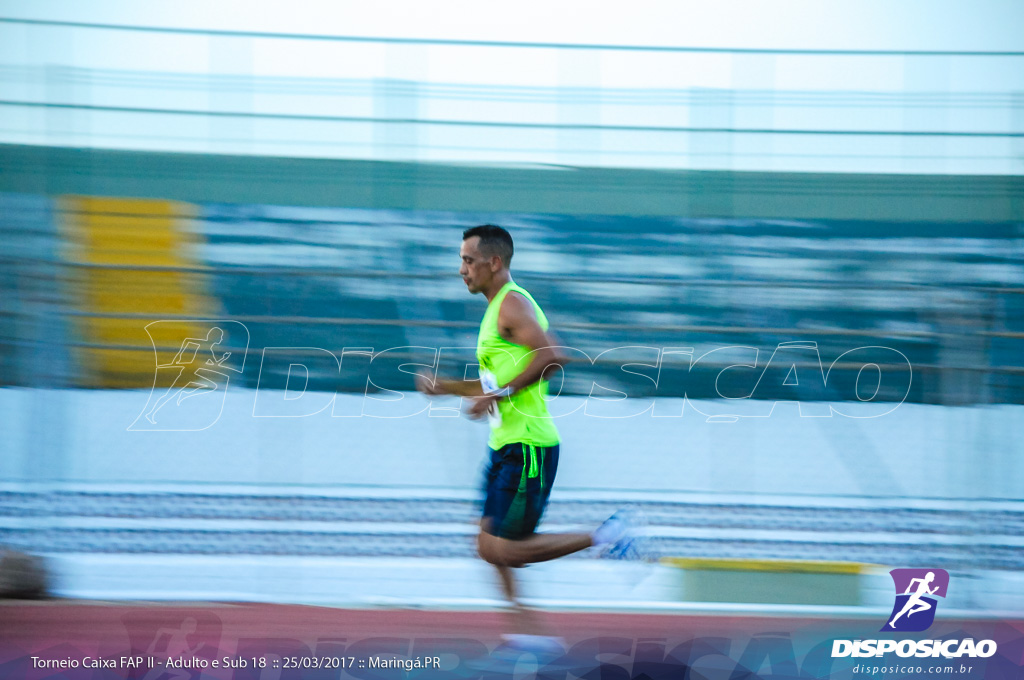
(490, 385)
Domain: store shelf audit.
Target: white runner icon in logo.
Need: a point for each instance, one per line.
(915, 604)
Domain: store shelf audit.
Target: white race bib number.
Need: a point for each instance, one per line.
(490, 385)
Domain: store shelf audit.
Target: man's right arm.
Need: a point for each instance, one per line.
(439, 386)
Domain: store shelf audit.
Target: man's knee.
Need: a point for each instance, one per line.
(488, 551)
(496, 551)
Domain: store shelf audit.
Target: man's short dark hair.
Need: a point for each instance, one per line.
(493, 241)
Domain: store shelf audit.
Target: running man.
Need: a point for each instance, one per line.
(516, 353)
(914, 603)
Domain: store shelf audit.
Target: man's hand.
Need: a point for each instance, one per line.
(425, 383)
(481, 406)
(438, 387)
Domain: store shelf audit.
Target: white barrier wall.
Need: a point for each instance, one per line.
(916, 451)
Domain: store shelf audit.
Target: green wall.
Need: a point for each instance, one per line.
(374, 184)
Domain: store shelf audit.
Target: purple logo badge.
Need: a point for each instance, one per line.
(914, 610)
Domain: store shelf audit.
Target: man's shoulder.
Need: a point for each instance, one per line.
(517, 304)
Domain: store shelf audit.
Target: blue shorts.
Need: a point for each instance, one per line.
(517, 484)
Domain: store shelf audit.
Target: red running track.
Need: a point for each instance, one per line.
(233, 633)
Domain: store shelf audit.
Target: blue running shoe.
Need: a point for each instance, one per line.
(622, 537)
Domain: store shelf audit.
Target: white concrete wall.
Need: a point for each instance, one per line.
(916, 451)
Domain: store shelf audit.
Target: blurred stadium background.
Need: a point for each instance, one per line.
(314, 187)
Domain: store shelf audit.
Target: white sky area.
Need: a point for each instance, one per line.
(125, 86)
(831, 24)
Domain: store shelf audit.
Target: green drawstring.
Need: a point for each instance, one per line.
(542, 452)
(522, 477)
(532, 469)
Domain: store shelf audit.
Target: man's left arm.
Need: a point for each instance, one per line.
(517, 323)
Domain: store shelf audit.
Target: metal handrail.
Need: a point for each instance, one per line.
(504, 44)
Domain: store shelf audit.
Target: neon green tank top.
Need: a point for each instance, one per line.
(524, 416)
